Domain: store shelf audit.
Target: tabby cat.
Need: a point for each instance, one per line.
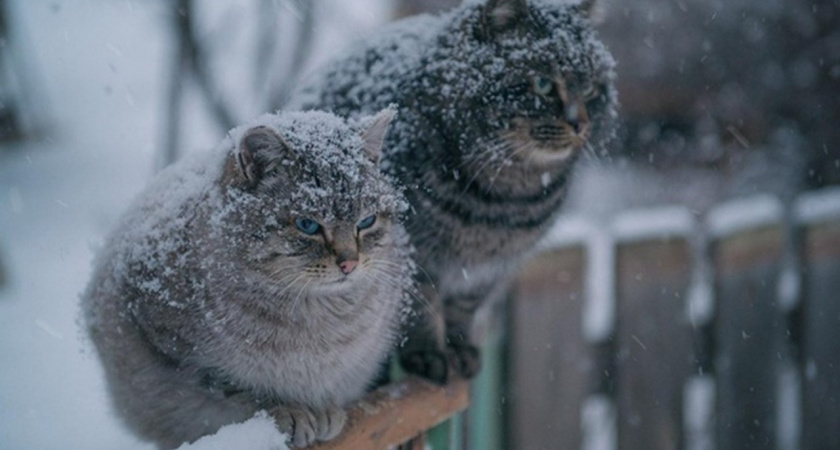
(497, 102)
(268, 275)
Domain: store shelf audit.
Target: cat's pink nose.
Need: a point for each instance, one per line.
(348, 265)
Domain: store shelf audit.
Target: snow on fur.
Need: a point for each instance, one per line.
(430, 65)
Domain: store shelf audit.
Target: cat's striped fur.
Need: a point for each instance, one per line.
(497, 102)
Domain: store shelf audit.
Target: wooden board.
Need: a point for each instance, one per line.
(821, 415)
(396, 413)
(550, 367)
(750, 334)
(654, 343)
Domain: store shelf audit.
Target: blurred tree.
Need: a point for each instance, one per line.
(19, 110)
(197, 58)
(9, 126)
(407, 8)
(3, 275)
(720, 84)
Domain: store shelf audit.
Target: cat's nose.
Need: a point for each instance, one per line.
(577, 118)
(348, 265)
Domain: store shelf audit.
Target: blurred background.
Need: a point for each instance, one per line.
(686, 299)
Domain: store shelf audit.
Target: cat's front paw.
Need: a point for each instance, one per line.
(298, 423)
(306, 425)
(464, 359)
(428, 363)
(330, 422)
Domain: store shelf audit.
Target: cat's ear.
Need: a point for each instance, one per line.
(374, 133)
(254, 147)
(592, 10)
(499, 15)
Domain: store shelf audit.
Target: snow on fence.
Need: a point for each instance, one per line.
(662, 330)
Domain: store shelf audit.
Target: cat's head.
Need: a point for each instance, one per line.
(316, 212)
(536, 84)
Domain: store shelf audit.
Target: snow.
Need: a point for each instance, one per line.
(653, 223)
(789, 285)
(598, 422)
(599, 310)
(100, 71)
(258, 433)
(700, 301)
(99, 155)
(569, 230)
(464, 70)
(818, 206)
(743, 214)
(699, 412)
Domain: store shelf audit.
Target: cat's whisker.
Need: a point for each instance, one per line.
(296, 278)
(480, 164)
(520, 149)
(490, 147)
(402, 267)
(591, 156)
(502, 147)
(296, 301)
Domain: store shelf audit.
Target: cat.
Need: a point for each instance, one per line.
(269, 275)
(497, 102)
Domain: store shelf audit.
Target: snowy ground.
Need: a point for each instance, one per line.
(100, 65)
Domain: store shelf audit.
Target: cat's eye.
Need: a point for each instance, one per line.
(590, 92)
(542, 85)
(307, 226)
(367, 222)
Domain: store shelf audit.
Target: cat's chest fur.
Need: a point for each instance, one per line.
(483, 222)
(322, 359)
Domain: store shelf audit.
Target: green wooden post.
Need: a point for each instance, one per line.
(443, 436)
(486, 424)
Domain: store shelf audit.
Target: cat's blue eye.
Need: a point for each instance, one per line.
(308, 226)
(367, 222)
(543, 85)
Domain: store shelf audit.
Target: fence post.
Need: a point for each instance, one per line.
(655, 345)
(550, 364)
(750, 328)
(819, 214)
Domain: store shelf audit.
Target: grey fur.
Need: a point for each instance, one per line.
(207, 304)
(483, 155)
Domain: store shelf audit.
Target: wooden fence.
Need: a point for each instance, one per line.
(666, 331)
(659, 330)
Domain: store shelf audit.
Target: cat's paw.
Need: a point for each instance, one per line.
(429, 363)
(330, 422)
(464, 359)
(306, 425)
(299, 423)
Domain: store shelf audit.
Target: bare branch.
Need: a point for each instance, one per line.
(172, 114)
(194, 54)
(280, 95)
(268, 29)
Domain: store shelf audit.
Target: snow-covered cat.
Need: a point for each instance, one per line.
(267, 275)
(497, 102)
